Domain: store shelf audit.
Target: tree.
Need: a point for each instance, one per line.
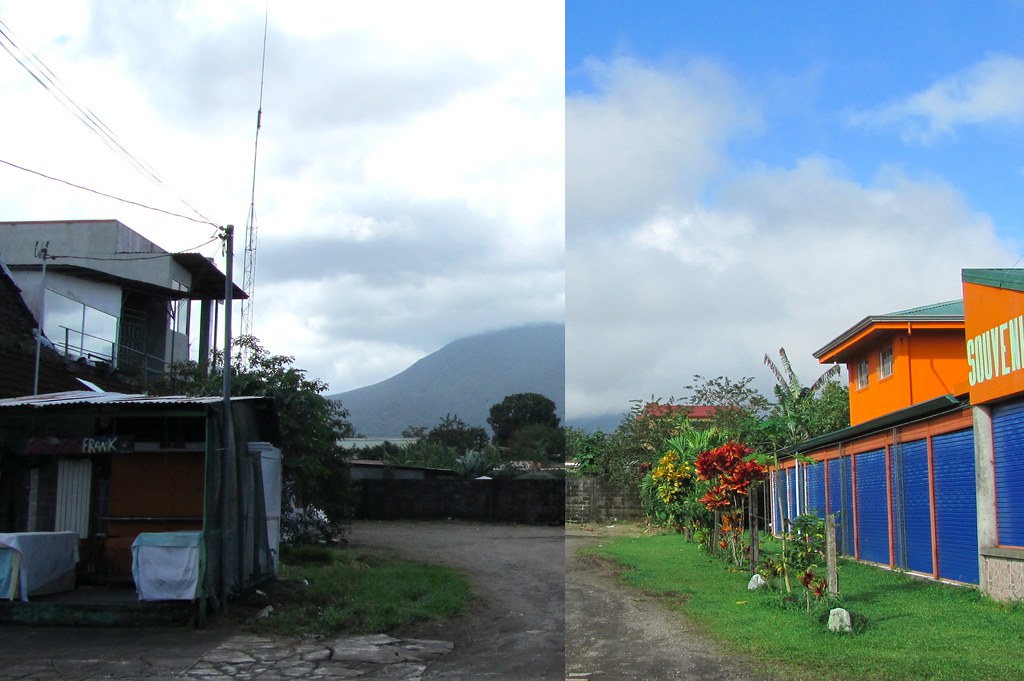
(628, 453)
(806, 412)
(453, 432)
(418, 432)
(589, 451)
(314, 465)
(515, 412)
(740, 407)
(535, 442)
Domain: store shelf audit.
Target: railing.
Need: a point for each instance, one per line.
(126, 359)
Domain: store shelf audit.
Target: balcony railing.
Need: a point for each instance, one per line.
(125, 359)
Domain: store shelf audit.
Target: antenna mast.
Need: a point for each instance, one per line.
(249, 267)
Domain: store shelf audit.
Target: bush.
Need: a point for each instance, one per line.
(308, 525)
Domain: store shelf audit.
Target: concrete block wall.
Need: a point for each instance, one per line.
(536, 502)
(1002, 577)
(594, 500)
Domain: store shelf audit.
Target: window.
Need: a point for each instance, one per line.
(885, 362)
(180, 310)
(862, 374)
(79, 329)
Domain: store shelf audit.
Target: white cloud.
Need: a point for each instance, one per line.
(650, 137)
(697, 237)
(780, 257)
(988, 92)
(409, 186)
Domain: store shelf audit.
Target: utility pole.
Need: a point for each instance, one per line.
(44, 254)
(227, 513)
(229, 261)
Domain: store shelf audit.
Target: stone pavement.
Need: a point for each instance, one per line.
(376, 658)
(65, 654)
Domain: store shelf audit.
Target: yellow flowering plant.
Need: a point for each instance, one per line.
(671, 488)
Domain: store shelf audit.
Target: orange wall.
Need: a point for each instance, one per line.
(993, 342)
(157, 484)
(927, 363)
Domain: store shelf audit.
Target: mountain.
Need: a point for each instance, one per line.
(589, 424)
(464, 378)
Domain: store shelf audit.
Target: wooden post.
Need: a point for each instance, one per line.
(755, 543)
(716, 531)
(830, 555)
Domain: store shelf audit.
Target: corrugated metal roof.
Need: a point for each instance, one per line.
(948, 312)
(911, 414)
(89, 397)
(952, 308)
(1012, 279)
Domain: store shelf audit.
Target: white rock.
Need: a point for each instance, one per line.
(264, 613)
(839, 621)
(755, 583)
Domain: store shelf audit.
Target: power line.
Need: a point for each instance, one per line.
(109, 196)
(46, 78)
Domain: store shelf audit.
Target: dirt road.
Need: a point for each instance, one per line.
(515, 629)
(614, 633)
(543, 613)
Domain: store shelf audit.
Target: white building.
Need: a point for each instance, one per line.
(109, 295)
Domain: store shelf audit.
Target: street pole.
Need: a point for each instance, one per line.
(227, 511)
(40, 252)
(229, 261)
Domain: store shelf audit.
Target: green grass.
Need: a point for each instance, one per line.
(324, 591)
(915, 629)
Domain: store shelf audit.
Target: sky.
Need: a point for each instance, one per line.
(409, 178)
(743, 177)
(688, 186)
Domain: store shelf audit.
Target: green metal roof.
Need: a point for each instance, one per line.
(1012, 279)
(949, 311)
(952, 310)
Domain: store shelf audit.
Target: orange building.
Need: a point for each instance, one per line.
(901, 359)
(927, 476)
(900, 479)
(994, 348)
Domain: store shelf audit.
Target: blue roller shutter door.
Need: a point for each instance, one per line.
(1008, 443)
(840, 502)
(791, 498)
(912, 507)
(872, 508)
(785, 499)
(816, 489)
(956, 511)
(779, 502)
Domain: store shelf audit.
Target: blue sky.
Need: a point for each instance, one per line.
(771, 173)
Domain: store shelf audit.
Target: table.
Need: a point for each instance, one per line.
(37, 563)
(165, 565)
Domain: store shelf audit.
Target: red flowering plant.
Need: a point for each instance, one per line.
(813, 585)
(731, 469)
(670, 491)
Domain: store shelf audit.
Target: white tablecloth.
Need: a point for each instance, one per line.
(45, 562)
(165, 565)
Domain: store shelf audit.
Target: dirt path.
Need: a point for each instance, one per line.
(515, 629)
(542, 612)
(613, 633)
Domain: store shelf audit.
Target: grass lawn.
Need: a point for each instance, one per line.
(325, 591)
(915, 629)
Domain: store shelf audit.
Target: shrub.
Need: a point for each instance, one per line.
(308, 525)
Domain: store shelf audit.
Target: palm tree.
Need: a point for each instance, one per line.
(795, 408)
(795, 401)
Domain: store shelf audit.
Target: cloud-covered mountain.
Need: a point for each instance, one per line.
(464, 378)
